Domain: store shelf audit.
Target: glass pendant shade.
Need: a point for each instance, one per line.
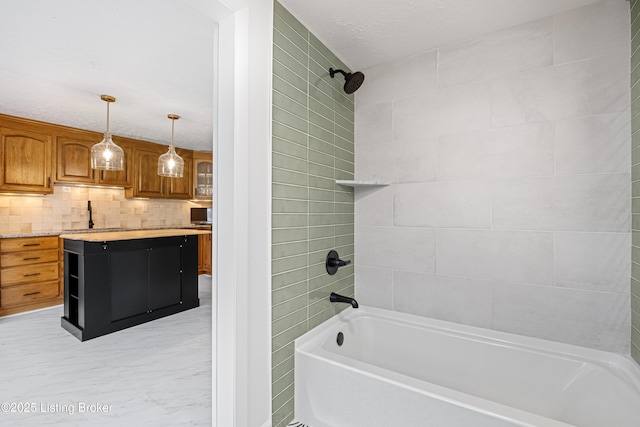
(170, 164)
(106, 155)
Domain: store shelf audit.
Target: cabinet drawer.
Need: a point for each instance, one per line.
(28, 274)
(28, 243)
(13, 259)
(27, 294)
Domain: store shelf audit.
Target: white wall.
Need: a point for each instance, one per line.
(509, 158)
(242, 156)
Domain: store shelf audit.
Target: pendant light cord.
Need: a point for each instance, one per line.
(173, 122)
(108, 116)
(173, 118)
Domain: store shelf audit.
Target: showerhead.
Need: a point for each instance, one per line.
(352, 81)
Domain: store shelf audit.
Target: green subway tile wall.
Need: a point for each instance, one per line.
(313, 145)
(635, 178)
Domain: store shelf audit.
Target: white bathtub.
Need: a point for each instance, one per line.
(395, 369)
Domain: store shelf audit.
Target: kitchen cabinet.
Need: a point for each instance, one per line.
(202, 175)
(148, 184)
(34, 155)
(116, 280)
(205, 245)
(157, 268)
(73, 160)
(181, 188)
(29, 273)
(25, 156)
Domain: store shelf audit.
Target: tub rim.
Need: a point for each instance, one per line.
(608, 360)
(311, 344)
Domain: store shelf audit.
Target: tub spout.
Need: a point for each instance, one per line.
(339, 298)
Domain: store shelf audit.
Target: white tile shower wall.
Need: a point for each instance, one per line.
(502, 53)
(66, 209)
(509, 158)
(443, 204)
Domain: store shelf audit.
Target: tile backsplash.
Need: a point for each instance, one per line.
(66, 209)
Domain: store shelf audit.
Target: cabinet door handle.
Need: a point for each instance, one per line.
(30, 275)
(31, 293)
(31, 244)
(33, 258)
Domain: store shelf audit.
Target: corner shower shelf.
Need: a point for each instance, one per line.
(360, 184)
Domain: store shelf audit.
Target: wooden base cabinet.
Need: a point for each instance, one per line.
(114, 285)
(29, 274)
(205, 249)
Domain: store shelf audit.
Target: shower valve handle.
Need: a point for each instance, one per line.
(338, 262)
(333, 262)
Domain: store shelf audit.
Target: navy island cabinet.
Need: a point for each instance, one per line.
(117, 280)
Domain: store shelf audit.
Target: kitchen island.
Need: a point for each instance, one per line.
(115, 280)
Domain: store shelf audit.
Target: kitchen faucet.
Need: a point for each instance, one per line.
(90, 214)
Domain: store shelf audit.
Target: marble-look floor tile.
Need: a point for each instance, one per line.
(154, 374)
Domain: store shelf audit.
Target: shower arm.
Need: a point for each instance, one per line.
(333, 72)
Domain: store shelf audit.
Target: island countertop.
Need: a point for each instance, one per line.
(132, 234)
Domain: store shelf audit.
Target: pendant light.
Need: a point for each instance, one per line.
(170, 164)
(106, 155)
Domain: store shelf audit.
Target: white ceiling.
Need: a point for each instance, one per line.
(156, 56)
(365, 33)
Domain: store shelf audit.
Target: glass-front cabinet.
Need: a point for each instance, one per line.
(203, 175)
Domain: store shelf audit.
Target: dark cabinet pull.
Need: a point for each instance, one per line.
(31, 293)
(31, 259)
(31, 244)
(32, 274)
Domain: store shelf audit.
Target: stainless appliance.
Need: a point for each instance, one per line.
(201, 215)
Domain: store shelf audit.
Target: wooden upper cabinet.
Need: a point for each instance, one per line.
(123, 178)
(147, 183)
(73, 163)
(26, 157)
(181, 188)
(35, 154)
(203, 175)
